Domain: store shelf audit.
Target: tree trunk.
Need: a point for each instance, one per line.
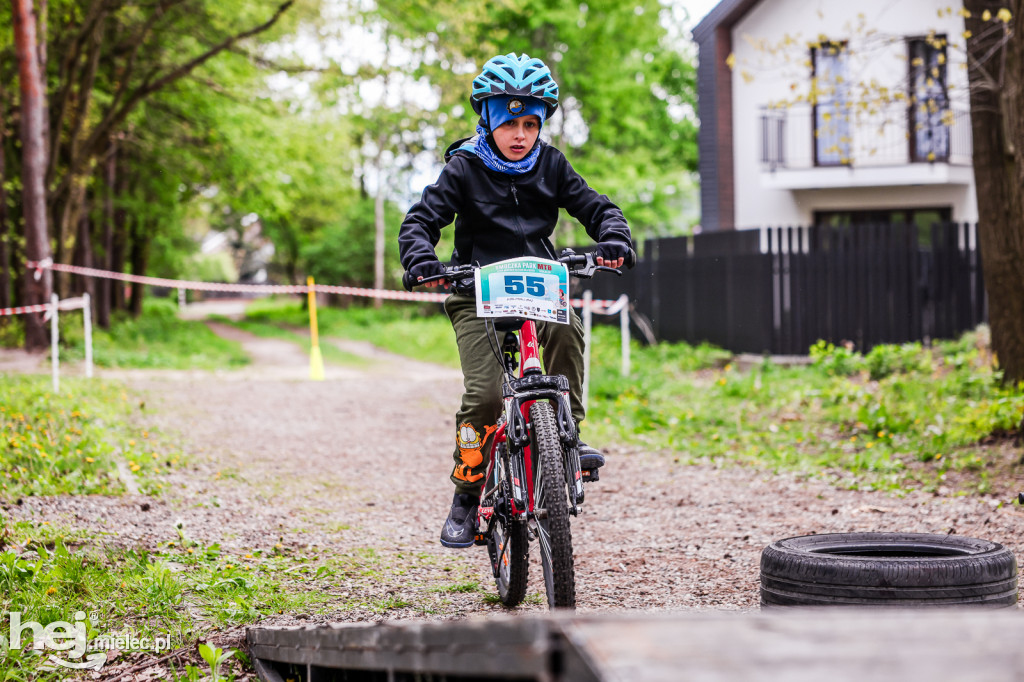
(33, 125)
(106, 258)
(69, 212)
(42, 29)
(997, 103)
(78, 159)
(140, 261)
(5, 236)
(84, 255)
(119, 245)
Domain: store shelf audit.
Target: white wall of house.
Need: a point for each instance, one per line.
(772, 65)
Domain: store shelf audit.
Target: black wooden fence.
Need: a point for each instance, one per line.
(779, 290)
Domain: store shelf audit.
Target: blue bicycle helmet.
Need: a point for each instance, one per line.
(511, 75)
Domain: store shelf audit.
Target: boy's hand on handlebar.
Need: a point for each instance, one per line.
(425, 270)
(617, 263)
(613, 254)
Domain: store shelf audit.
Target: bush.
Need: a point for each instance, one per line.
(12, 332)
(836, 360)
(156, 339)
(888, 359)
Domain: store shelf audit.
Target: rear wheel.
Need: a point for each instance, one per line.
(508, 544)
(551, 508)
(510, 559)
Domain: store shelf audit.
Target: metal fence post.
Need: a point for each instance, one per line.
(87, 322)
(54, 337)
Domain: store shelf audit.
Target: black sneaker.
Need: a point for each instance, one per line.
(590, 461)
(460, 527)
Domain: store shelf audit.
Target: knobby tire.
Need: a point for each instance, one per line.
(552, 508)
(511, 566)
(906, 570)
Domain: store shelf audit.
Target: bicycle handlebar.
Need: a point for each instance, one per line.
(580, 265)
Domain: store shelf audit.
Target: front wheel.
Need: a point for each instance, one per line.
(551, 508)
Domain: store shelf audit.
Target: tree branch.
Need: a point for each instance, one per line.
(275, 65)
(117, 115)
(72, 53)
(134, 45)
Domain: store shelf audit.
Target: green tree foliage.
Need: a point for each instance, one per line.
(113, 78)
(165, 122)
(627, 91)
(341, 252)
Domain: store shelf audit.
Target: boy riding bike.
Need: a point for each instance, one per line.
(503, 189)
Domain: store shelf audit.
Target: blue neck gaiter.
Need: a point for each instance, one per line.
(498, 110)
(479, 145)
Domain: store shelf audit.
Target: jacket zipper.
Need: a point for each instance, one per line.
(518, 225)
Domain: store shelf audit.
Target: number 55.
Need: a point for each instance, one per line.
(534, 286)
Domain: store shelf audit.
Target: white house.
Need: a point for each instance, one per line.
(830, 112)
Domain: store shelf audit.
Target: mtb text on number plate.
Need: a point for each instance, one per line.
(534, 288)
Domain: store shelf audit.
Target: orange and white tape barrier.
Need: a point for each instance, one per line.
(21, 310)
(599, 306)
(67, 304)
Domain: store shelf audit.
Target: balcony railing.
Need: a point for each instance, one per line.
(803, 137)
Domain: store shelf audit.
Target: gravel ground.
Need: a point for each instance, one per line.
(361, 461)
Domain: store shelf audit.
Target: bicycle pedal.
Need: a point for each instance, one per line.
(480, 539)
(591, 475)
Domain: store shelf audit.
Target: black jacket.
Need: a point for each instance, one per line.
(499, 216)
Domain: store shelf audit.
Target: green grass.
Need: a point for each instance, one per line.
(412, 330)
(182, 590)
(155, 340)
(897, 418)
(328, 352)
(900, 417)
(70, 442)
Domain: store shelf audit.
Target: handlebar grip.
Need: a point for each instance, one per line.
(407, 281)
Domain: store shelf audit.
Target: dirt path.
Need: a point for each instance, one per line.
(359, 464)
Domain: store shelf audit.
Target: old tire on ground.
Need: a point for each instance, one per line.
(886, 570)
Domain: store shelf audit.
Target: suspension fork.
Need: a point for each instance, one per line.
(529, 363)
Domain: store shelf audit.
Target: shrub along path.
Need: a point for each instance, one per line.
(334, 492)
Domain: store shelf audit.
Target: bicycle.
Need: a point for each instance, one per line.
(534, 481)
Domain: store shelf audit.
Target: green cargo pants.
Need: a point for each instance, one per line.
(562, 353)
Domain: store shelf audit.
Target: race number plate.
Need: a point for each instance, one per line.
(534, 288)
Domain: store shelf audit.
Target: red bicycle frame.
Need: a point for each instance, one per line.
(529, 358)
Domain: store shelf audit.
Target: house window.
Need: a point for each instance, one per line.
(922, 217)
(930, 114)
(831, 96)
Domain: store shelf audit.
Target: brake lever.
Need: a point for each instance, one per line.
(608, 269)
(432, 278)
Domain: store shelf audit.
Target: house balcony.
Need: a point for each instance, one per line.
(806, 147)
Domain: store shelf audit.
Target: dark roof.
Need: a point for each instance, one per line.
(726, 12)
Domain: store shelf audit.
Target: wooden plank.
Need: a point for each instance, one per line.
(517, 648)
(804, 646)
(837, 645)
